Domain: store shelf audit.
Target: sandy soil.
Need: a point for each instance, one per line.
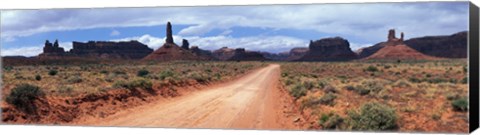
(253, 101)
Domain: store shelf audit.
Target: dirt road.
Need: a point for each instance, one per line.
(250, 102)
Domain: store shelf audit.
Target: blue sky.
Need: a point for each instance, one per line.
(272, 28)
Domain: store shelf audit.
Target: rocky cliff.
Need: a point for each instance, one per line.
(395, 49)
(111, 50)
(171, 51)
(450, 46)
(97, 49)
(242, 55)
(328, 49)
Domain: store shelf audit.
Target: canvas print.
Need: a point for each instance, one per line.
(390, 67)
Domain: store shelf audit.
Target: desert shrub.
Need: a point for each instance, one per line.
(460, 104)
(402, 83)
(452, 96)
(437, 80)
(373, 116)
(142, 73)
(414, 80)
(288, 81)
(22, 97)
(350, 87)
(137, 83)
(75, 79)
(65, 90)
(330, 89)
(38, 77)
(119, 72)
(322, 83)
(284, 74)
(330, 121)
(327, 99)
(308, 85)
(166, 73)
(298, 91)
(371, 69)
(465, 80)
(199, 77)
(369, 86)
(52, 72)
(104, 72)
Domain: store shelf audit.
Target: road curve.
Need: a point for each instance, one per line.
(250, 102)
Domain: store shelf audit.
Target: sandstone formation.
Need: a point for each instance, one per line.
(451, 46)
(297, 53)
(238, 54)
(97, 49)
(395, 49)
(171, 51)
(204, 54)
(185, 44)
(52, 50)
(275, 56)
(169, 34)
(224, 53)
(328, 49)
(242, 55)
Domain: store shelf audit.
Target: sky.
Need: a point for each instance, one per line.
(270, 28)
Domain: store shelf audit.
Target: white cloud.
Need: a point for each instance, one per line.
(22, 51)
(32, 50)
(115, 33)
(363, 21)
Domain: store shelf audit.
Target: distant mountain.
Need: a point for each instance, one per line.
(451, 46)
(395, 49)
(97, 49)
(242, 55)
(329, 49)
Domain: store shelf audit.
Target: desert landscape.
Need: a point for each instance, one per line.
(418, 84)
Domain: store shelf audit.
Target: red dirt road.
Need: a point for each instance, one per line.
(253, 101)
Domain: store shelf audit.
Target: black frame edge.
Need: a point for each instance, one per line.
(473, 73)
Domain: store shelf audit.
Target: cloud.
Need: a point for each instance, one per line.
(23, 51)
(363, 21)
(115, 33)
(33, 50)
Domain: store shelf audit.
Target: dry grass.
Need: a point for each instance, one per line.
(93, 78)
(421, 93)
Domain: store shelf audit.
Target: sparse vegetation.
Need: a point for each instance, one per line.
(403, 90)
(460, 104)
(373, 117)
(142, 73)
(23, 96)
(52, 72)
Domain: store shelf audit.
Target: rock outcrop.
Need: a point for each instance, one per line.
(171, 51)
(224, 53)
(185, 44)
(97, 49)
(395, 49)
(111, 50)
(451, 46)
(275, 56)
(204, 54)
(242, 55)
(329, 49)
(169, 36)
(297, 53)
(238, 54)
(52, 50)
